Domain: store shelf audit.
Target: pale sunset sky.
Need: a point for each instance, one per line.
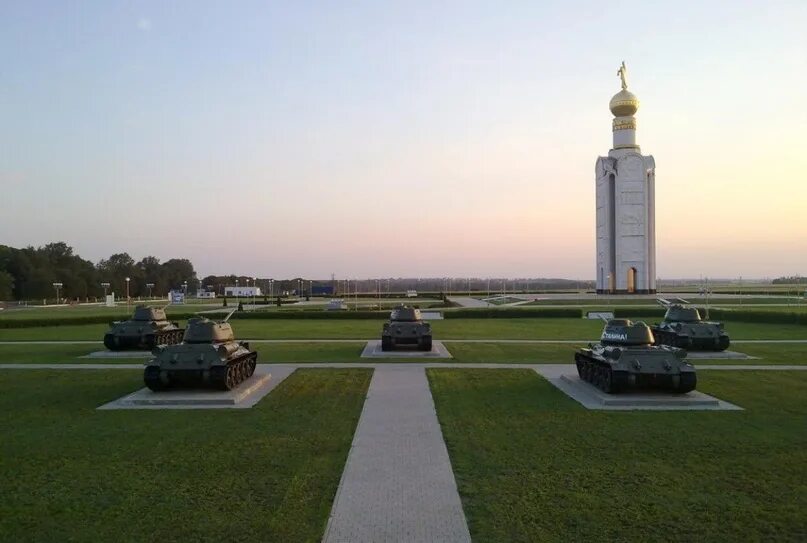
(375, 139)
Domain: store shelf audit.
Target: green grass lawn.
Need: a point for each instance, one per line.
(270, 473)
(519, 328)
(513, 353)
(533, 465)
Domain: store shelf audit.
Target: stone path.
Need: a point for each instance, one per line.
(397, 484)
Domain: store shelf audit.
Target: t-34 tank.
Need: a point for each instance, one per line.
(208, 357)
(625, 359)
(406, 327)
(682, 327)
(147, 328)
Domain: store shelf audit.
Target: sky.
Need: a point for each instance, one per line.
(376, 139)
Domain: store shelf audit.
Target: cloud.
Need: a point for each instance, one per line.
(144, 24)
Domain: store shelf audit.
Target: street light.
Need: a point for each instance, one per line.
(57, 286)
(150, 286)
(271, 288)
(106, 286)
(254, 291)
(237, 293)
(185, 288)
(127, 292)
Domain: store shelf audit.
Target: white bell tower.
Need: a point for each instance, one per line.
(626, 209)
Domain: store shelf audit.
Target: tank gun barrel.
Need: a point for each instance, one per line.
(230, 314)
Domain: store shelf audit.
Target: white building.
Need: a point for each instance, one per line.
(626, 214)
(242, 291)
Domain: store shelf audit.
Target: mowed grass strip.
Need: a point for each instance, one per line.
(533, 465)
(350, 352)
(527, 328)
(270, 473)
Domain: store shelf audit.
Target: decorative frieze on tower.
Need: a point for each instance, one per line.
(626, 218)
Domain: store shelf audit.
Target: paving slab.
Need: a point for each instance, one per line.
(118, 354)
(593, 398)
(719, 355)
(373, 350)
(397, 484)
(249, 393)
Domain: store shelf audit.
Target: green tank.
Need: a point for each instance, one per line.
(147, 328)
(626, 359)
(406, 327)
(682, 327)
(208, 357)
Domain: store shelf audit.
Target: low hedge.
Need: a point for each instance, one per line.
(89, 319)
(639, 312)
(516, 313)
(765, 317)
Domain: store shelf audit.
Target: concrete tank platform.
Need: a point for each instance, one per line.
(718, 355)
(593, 398)
(246, 395)
(119, 354)
(373, 350)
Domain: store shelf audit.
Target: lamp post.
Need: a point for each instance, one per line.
(149, 286)
(57, 286)
(185, 288)
(127, 292)
(271, 288)
(105, 286)
(254, 291)
(237, 293)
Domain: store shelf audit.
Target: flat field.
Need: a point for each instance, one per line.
(71, 473)
(533, 465)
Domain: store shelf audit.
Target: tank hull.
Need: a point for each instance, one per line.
(121, 342)
(391, 343)
(690, 343)
(220, 377)
(601, 374)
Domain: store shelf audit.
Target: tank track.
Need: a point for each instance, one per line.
(666, 337)
(146, 342)
(601, 375)
(225, 378)
(424, 343)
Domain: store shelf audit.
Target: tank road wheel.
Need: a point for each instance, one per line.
(231, 379)
(687, 383)
(218, 377)
(723, 343)
(425, 343)
(252, 364)
(607, 381)
(151, 377)
(386, 343)
(109, 342)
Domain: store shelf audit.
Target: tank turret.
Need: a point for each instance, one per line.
(682, 327)
(626, 359)
(208, 357)
(147, 328)
(406, 327)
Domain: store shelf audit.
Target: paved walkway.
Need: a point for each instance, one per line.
(397, 484)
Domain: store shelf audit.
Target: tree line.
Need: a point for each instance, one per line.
(29, 274)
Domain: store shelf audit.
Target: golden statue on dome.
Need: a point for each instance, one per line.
(623, 74)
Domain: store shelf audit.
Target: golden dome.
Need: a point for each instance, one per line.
(624, 104)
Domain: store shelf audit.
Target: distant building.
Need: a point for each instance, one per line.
(242, 291)
(626, 208)
(201, 293)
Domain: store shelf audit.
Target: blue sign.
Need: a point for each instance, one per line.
(177, 297)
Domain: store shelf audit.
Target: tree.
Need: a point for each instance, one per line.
(6, 285)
